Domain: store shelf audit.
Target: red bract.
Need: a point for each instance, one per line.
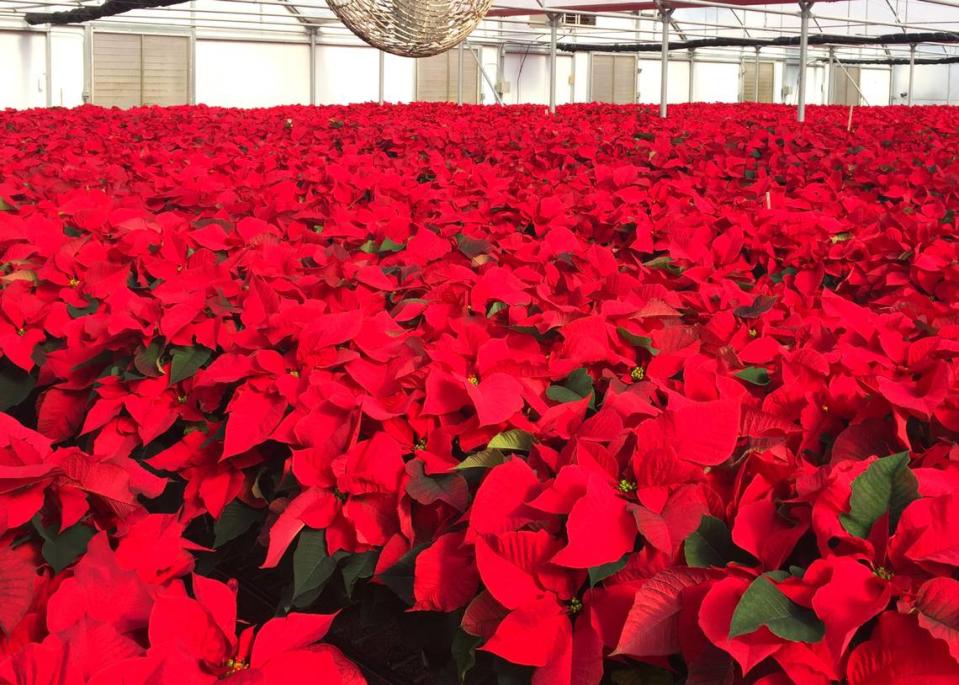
(626, 399)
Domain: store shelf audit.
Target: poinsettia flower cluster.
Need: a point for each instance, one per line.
(627, 398)
(124, 614)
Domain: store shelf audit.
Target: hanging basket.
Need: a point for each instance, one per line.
(411, 28)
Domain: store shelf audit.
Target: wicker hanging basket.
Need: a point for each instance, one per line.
(411, 28)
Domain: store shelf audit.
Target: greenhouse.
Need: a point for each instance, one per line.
(479, 342)
(238, 53)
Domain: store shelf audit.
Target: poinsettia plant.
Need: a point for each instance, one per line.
(569, 399)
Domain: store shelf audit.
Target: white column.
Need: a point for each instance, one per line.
(806, 8)
(553, 28)
(312, 65)
(692, 75)
(88, 63)
(48, 67)
(756, 76)
(459, 76)
(382, 77)
(193, 63)
(664, 63)
(831, 75)
(912, 69)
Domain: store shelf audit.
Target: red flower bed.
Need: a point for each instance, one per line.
(595, 396)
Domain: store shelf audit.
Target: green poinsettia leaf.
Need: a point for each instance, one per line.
(888, 485)
(763, 604)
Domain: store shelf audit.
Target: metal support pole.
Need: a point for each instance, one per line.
(664, 69)
(830, 96)
(192, 63)
(806, 8)
(553, 29)
(500, 71)
(88, 63)
(382, 78)
(312, 66)
(912, 69)
(459, 76)
(756, 76)
(692, 75)
(192, 48)
(48, 69)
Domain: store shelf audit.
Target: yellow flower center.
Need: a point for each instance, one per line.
(626, 486)
(21, 332)
(234, 666)
(638, 374)
(753, 332)
(575, 606)
(883, 572)
(472, 379)
(74, 282)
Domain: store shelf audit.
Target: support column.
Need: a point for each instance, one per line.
(806, 8)
(459, 75)
(912, 69)
(831, 75)
(692, 75)
(382, 78)
(312, 66)
(664, 14)
(553, 29)
(48, 68)
(192, 78)
(500, 71)
(756, 76)
(193, 63)
(88, 63)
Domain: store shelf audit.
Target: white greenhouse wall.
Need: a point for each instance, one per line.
(66, 58)
(399, 80)
(581, 77)
(22, 76)
(715, 82)
(677, 81)
(528, 78)
(933, 84)
(874, 84)
(488, 58)
(244, 74)
(346, 74)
